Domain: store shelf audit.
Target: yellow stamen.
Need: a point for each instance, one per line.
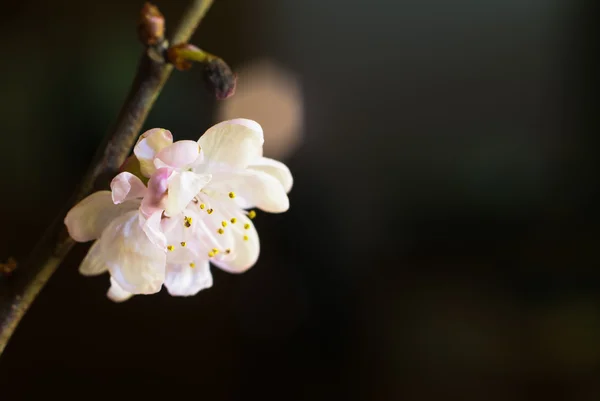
(245, 238)
(232, 195)
(209, 211)
(215, 251)
(183, 243)
(192, 265)
(224, 223)
(202, 206)
(233, 220)
(220, 231)
(187, 221)
(170, 247)
(247, 226)
(211, 254)
(228, 251)
(251, 214)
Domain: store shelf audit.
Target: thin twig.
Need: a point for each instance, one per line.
(18, 291)
(190, 21)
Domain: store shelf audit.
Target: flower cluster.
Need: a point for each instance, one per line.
(184, 208)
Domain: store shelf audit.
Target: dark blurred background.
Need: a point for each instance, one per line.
(443, 236)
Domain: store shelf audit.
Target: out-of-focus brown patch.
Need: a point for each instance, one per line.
(8, 267)
(272, 96)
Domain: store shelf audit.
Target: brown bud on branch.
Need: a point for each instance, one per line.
(151, 26)
(219, 78)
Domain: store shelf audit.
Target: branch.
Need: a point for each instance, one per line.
(20, 289)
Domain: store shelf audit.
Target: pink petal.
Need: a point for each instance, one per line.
(126, 186)
(180, 154)
(154, 200)
(149, 145)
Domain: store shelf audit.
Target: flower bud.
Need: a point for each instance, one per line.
(151, 26)
(219, 78)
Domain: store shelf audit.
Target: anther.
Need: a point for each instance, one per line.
(209, 211)
(251, 214)
(232, 195)
(192, 265)
(233, 220)
(220, 231)
(245, 238)
(170, 247)
(224, 223)
(202, 206)
(183, 243)
(247, 226)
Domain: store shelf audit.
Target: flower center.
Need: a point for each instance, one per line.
(212, 227)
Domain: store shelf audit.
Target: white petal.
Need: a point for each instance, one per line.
(179, 155)
(126, 186)
(211, 233)
(94, 263)
(244, 252)
(253, 189)
(183, 255)
(152, 229)
(275, 168)
(86, 220)
(149, 144)
(234, 143)
(182, 235)
(183, 280)
(175, 226)
(116, 293)
(136, 263)
(182, 189)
